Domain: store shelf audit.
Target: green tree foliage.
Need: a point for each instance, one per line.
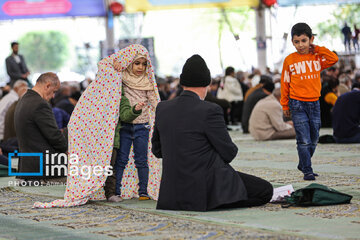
(219, 22)
(345, 13)
(44, 51)
(235, 19)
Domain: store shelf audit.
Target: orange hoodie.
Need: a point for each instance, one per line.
(300, 78)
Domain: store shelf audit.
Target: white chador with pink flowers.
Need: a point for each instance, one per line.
(91, 135)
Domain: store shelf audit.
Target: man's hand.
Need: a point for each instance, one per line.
(117, 66)
(25, 75)
(290, 123)
(139, 106)
(286, 113)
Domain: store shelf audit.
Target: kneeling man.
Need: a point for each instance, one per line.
(190, 135)
(266, 120)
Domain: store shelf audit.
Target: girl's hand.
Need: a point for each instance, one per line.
(139, 106)
(117, 66)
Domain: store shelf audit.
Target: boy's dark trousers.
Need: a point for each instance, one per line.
(111, 180)
(307, 122)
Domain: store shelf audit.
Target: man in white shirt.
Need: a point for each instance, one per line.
(266, 120)
(20, 88)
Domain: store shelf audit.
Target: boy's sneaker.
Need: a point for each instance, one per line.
(315, 174)
(144, 196)
(115, 198)
(309, 177)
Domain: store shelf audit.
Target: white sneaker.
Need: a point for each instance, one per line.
(115, 198)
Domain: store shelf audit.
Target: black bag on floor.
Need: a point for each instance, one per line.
(316, 195)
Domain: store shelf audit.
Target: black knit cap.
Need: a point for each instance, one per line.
(195, 73)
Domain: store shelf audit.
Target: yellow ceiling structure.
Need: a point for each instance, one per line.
(132, 6)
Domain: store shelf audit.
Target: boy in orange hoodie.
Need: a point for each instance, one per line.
(300, 92)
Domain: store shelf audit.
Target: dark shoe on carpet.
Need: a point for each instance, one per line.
(115, 198)
(144, 196)
(309, 177)
(315, 174)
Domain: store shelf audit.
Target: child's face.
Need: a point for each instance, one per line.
(139, 66)
(302, 43)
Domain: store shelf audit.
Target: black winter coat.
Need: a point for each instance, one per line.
(191, 137)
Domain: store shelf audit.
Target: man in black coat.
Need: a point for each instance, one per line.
(36, 127)
(16, 66)
(190, 135)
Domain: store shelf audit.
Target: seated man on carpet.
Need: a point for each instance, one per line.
(346, 117)
(266, 120)
(197, 151)
(249, 104)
